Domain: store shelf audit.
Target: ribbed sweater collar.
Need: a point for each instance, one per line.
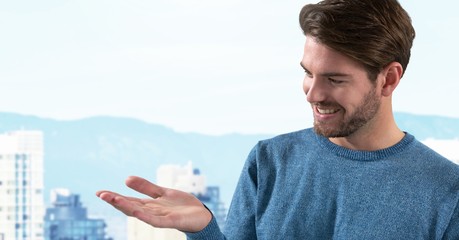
(365, 155)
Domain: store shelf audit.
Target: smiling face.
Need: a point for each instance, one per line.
(342, 97)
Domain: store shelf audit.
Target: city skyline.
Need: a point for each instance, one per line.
(211, 67)
(22, 190)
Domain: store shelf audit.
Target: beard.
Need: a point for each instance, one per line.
(347, 126)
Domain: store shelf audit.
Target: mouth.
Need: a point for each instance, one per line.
(327, 111)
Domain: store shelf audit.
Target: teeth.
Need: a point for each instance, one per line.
(326, 111)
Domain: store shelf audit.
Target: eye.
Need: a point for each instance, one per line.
(308, 74)
(335, 81)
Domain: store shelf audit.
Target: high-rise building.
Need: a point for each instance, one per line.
(68, 219)
(186, 179)
(21, 185)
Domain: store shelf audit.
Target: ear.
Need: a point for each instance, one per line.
(391, 75)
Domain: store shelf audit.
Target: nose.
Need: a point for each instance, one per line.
(314, 90)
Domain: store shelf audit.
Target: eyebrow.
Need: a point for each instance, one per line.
(327, 74)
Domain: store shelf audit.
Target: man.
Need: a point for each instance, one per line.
(355, 175)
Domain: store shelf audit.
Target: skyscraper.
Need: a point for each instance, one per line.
(187, 179)
(21, 185)
(68, 219)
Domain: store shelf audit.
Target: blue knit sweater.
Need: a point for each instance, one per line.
(302, 186)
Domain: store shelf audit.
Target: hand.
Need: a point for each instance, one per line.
(167, 208)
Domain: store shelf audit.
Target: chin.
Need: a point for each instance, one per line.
(333, 132)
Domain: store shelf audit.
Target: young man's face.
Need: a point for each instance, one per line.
(342, 97)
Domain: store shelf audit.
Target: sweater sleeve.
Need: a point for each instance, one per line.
(240, 223)
(211, 232)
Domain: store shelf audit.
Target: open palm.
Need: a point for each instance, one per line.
(166, 208)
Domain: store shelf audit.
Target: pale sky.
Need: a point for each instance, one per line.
(204, 66)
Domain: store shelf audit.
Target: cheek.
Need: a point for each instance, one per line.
(350, 100)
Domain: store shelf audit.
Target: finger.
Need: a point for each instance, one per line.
(98, 193)
(108, 196)
(144, 186)
(113, 198)
(127, 205)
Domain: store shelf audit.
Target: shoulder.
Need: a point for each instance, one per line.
(430, 158)
(437, 168)
(287, 139)
(285, 147)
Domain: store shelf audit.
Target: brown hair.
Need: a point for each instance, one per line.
(373, 32)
